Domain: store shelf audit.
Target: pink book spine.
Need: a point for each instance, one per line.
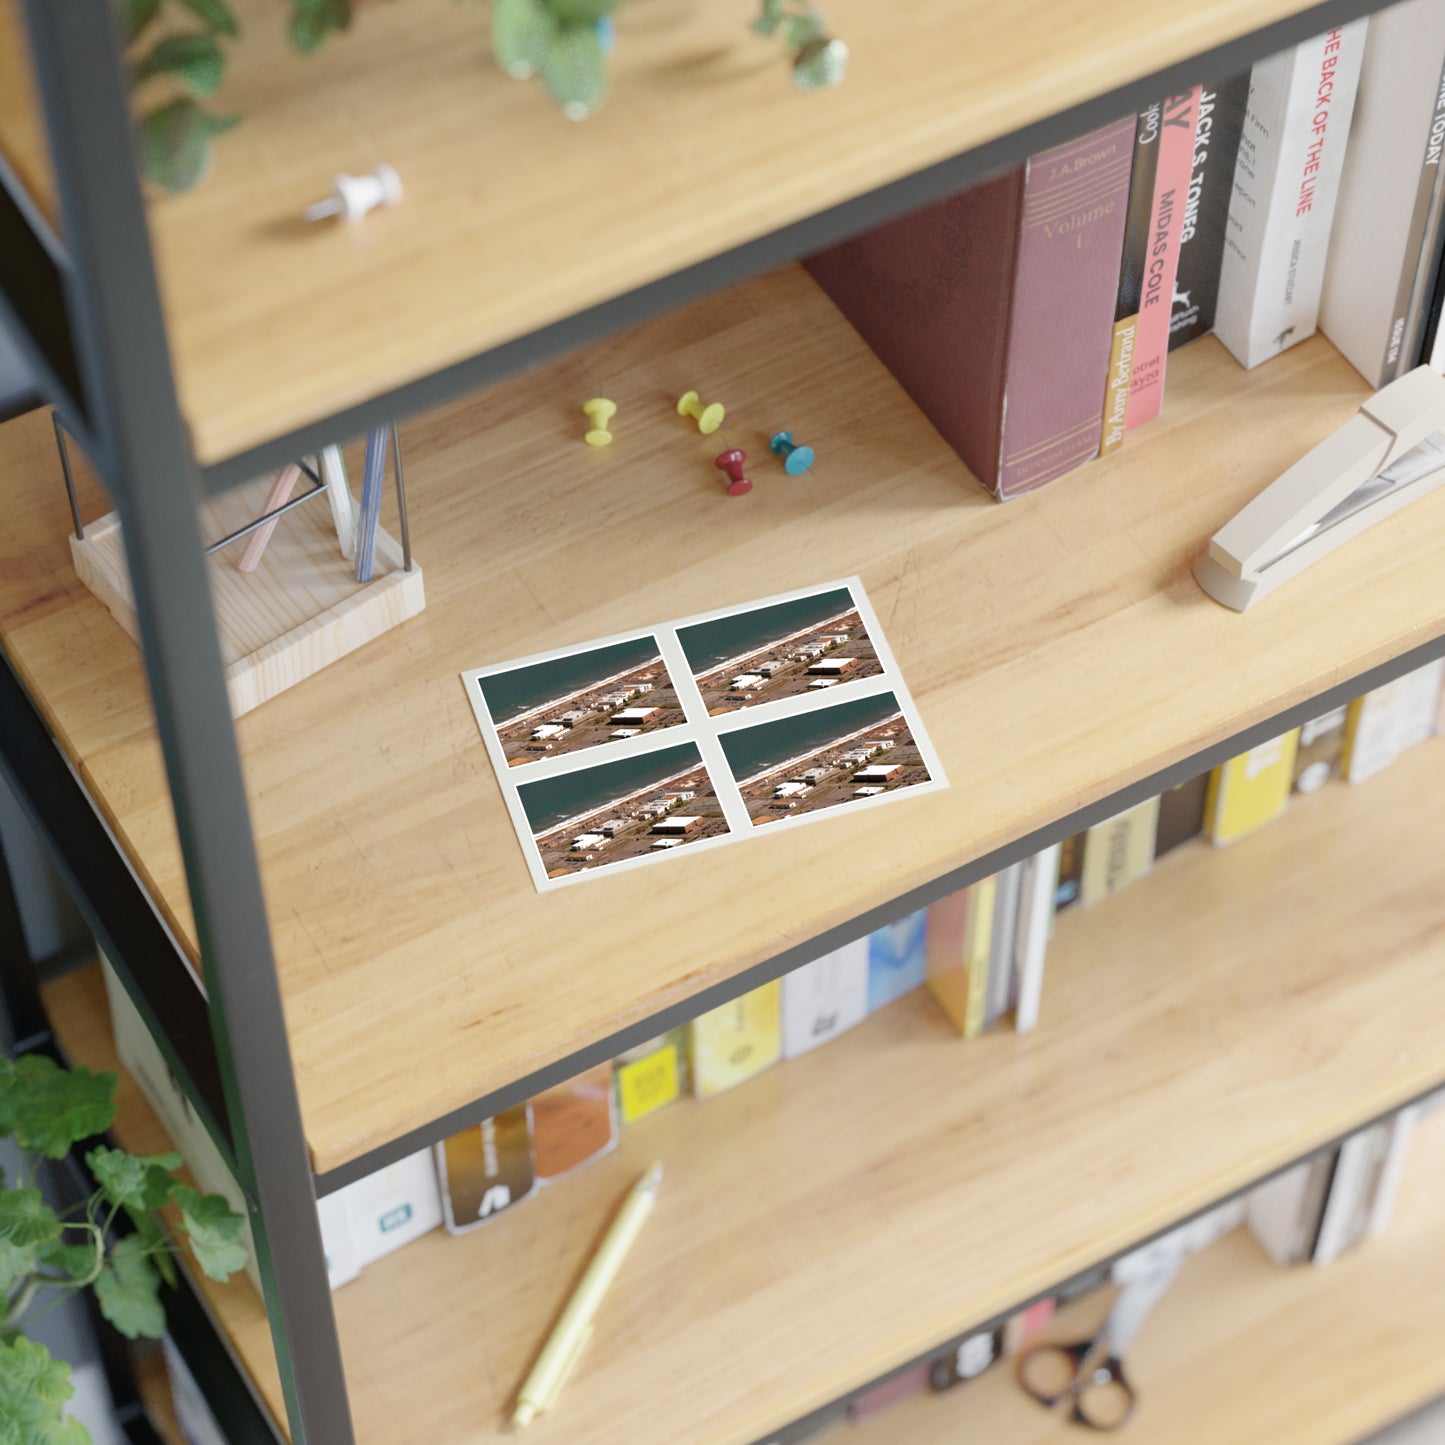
(1071, 237)
(1171, 191)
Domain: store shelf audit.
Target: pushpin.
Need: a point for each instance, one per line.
(599, 411)
(731, 462)
(796, 460)
(353, 196)
(709, 418)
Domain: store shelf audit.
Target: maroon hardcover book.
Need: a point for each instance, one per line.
(995, 307)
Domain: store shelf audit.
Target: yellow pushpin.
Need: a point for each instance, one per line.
(599, 411)
(709, 418)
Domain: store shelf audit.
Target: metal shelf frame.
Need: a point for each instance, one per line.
(87, 313)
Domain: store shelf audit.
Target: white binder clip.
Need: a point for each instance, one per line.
(1390, 453)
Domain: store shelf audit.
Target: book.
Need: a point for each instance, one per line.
(1284, 1213)
(1173, 172)
(1129, 292)
(993, 307)
(1342, 1224)
(1251, 790)
(737, 1040)
(1023, 1324)
(959, 943)
(1286, 180)
(1002, 978)
(573, 1123)
(825, 998)
(892, 1392)
(1399, 1131)
(394, 1206)
(1038, 889)
(965, 1362)
(1321, 750)
(486, 1169)
(1071, 869)
(650, 1076)
(1118, 851)
(1386, 720)
(1206, 209)
(1181, 814)
(896, 959)
(1388, 190)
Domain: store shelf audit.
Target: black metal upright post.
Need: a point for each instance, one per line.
(144, 454)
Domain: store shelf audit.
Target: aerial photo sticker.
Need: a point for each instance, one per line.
(837, 756)
(563, 704)
(622, 811)
(698, 732)
(809, 644)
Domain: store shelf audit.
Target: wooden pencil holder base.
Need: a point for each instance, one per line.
(299, 611)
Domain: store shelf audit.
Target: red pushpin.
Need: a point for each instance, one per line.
(731, 462)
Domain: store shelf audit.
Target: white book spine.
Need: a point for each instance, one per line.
(1003, 943)
(824, 998)
(1036, 919)
(1387, 1186)
(1351, 1178)
(1387, 190)
(1286, 182)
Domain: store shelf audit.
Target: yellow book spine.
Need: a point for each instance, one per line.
(1251, 790)
(737, 1040)
(979, 945)
(1116, 396)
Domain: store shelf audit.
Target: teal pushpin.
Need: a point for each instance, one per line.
(796, 460)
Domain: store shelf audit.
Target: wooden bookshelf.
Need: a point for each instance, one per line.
(1057, 648)
(703, 145)
(848, 1211)
(23, 146)
(1243, 1351)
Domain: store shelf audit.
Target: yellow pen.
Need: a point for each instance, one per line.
(566, 1342)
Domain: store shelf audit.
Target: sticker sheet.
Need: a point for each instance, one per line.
(700, 732)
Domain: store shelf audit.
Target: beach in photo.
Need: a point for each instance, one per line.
(815, 645)
(562, 705)
(635, 807)
(831, 757)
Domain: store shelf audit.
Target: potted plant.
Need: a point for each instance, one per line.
(46, 1256)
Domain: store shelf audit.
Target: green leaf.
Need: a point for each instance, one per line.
(128, 1290)
(33, 1390)
(195, 60)
(313, 20)
(156, 1241)
(522, 31)
(769, 17)
(25, 1218)
(215, 15)
(74, 1261)
(820, 63)
(175, 145)
(16, 1261)
(135, 15)
(52, 1108)
(574, 70)
(804, 30)
(215, 1231)
(581, 12)
(133, 1180)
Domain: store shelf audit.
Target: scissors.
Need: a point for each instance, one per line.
(1089, 1374)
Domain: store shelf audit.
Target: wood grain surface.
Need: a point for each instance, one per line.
(849, 1210)
(514, 217)
(1057, 647)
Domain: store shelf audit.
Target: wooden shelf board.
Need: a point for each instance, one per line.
(22, 128)
(847, 1211)
(1243, 1351)
(1058, 648)
(514, 218)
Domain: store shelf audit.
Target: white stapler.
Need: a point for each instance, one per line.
(1390, 453)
